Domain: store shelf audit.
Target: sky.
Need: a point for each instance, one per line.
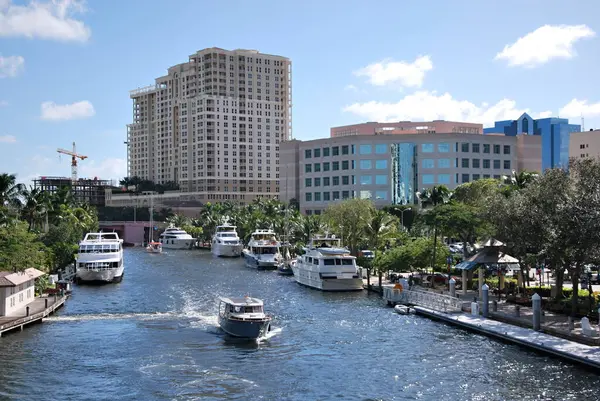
(67, 66)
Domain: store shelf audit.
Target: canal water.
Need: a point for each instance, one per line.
(155, 337)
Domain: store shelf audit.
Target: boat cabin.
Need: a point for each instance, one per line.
(263, 235)
(325, 242)
(226, 229)
(234, 307)
(264, 250)
(328, 261)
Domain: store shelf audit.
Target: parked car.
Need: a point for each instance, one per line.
(367, 254)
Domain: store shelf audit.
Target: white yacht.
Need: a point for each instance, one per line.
(176, 238)
(327, 266)
(100, 258)
(226, 242)
(263, 250)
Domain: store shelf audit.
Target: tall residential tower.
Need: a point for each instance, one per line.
(214, 125)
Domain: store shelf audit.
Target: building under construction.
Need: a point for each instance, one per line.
(84, 189)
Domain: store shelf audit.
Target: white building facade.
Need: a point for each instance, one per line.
(214, 125)
(17, 290)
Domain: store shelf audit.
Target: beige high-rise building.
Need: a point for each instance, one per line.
(214, 125)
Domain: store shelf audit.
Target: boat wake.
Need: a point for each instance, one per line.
(111, 316)
(269, 335)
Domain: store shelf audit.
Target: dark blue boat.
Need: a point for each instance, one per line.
(243, 317)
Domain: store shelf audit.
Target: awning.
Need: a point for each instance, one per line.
(466, 265)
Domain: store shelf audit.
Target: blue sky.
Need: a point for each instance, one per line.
(66, 66)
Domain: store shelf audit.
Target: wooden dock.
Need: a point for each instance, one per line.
(40, 308)
(545, 343)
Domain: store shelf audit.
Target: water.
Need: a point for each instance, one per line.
(155, 337)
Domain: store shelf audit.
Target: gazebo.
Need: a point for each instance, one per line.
(491, 254)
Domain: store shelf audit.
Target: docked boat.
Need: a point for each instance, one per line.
(285, 268)
(327, 266)
(226, 242)
(100, 258)
(176, 238)
(154, 247)
(263, 251)
(243, 317)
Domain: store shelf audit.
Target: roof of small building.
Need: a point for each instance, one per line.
(11, 279)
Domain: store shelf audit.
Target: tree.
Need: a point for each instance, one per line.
(36, 204)
(438, 195)
(349, 219)
(178, 220)
(10, 191)
(20, 249)
(459, 220)
(405, 214)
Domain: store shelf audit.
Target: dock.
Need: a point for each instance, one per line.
(37, 310)
(545, 343)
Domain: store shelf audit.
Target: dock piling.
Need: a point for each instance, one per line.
(452, 287)
(571, 322)
(27, 311)
(485, 292)
(495, 306)
(537, 311)
(517, 310)
(46, 303)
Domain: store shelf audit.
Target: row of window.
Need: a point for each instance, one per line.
(345, 165)
(476, 163)
(380, 179)
(335, 195)
(326, 152)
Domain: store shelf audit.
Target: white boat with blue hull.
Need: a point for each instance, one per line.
(243, 317)
(263, 251)
(327, 266)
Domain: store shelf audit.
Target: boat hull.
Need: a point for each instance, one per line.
(227, 250)
(100, 275)
(250, 329)
(177, 243)
(312, 279)
(254, 262)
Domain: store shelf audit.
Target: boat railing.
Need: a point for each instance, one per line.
(246, 319)
(421, 297)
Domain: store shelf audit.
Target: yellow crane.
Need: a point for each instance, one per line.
(74, 156)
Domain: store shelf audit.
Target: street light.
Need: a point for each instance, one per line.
(402, 215)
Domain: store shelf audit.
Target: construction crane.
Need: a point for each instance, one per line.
(74, 156)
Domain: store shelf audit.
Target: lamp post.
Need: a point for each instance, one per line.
(402, 216)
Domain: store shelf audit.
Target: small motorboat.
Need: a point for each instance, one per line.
(243, 317)
(154, 247)
(403, 310)
(285, 267)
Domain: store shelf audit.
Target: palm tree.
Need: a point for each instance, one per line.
(438, 195)
(36, 204)
(178, 220)
(380, 227)
(10, 191)
(517, 181)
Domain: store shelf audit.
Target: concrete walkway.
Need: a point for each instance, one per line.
(570, 350)
(37, 311)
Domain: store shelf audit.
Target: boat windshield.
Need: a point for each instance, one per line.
(228, 235)
(226, 229)
(327, 243)
(337, 262)
(266, 250)
(99, 248)
(246, 309)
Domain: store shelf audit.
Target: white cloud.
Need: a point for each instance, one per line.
(351, 88)
(544, 44)
(51, 20)
(427, 106)
(406, 74)
(577, 108)
(11, 66)
(544, 114)
(7, 139)
(107, 169)
(58, 112)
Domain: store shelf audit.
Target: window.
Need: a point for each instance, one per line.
(345, 194)
(307, 154)
(317, 196)
(366, 165)
(380, 164)
(366, 195)
(345, 180)
(465, 163)
(352, 149)
(486, 176)
(496, 176)
(486, 148)
(326, 181)
(476, 163)
(427, 148)
(335, 151)
(317, 167)
(345, 165)
(496, 149)
(365, 149)
(428, 179)
(380, 148)
(335, 166)
(317, 182)
(475, 147)
(336, 195)
(443, 147)
(428, 163)
(443, 163)
(486, 163)
(326, 166)
(443, 178)
(309, 197)
(345, 149)
(506, 149)
(336, 180)
(308, 168)
(381, 179)
(326, 196)
(366, 180)
(496, 164)
(507, 164)
(317, 152)
(381, 195)
(464, 147)
(476, 177)
(308, 182)
(325, 152)
(465, 178)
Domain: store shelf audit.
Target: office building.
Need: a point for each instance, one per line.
(406, 127)
(391, 169)
(585, 144)
(555, 136)
(214, 125)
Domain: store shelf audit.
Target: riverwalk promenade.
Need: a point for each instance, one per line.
(37, 310)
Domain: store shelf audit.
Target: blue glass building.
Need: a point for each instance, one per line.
(555, 133)
(404, 173)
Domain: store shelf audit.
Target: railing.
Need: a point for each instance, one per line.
(420, 297)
